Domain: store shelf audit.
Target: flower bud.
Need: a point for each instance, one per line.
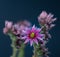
(42, 15)
(8, 24)
(5, 30)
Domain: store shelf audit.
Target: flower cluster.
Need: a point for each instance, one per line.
(16, 30)
(25, 33)
(46, 19)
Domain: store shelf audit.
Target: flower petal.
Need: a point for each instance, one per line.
(38, 29)
(40, 38)
(31, 42)
(33, 28)
(40, 35)
(35, 40)
(27, 40)
(24, 37)
(23, 31)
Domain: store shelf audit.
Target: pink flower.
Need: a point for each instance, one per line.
(46, 19)
(5, 30)
(32, 35)
(19, 26)
(43, 15)
(8, 24)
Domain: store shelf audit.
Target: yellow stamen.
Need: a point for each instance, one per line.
(32, 35)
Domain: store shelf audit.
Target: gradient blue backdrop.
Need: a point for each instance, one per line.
(16, 10)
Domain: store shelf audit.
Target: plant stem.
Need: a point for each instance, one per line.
(14, 52)
(13, 39)
(21, 51)
(35, 51)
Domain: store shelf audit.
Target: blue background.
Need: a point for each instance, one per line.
(15, 10)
